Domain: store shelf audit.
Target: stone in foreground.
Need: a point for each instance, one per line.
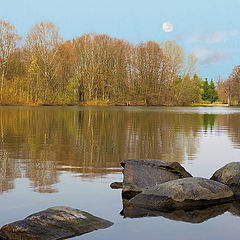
(229, 175)
(53, 223)
(187, 193)
(140, 174)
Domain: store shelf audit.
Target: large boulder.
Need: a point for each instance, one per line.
(187, 193)
(140, 174)
(53, 223)
(229, 175)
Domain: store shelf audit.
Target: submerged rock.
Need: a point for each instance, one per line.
(116, 185)
(229, 175)
(140, 174)
(187, 193)
(53, 223)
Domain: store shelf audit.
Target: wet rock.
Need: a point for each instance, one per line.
(53, 223)
(229, 175)
(140, 174)
(116, 185)
(187, 194)
(194, 216)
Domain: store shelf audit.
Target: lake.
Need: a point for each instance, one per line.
(68, 156)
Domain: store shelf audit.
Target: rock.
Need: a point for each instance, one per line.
(187, 193)
(229, 175)
(194, 216)
(116, 185)
(53, 223)
(140, 174)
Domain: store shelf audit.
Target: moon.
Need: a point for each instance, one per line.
(167, 27)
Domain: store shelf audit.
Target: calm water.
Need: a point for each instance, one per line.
(51, 156)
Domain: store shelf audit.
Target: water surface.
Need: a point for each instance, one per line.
(51, 156)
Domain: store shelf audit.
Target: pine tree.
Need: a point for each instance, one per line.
(205, 87)
(212, 93)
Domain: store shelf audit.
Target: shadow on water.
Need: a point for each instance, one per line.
(40, 143)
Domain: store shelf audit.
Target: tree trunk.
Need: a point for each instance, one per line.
(229, 100)
(2, 83)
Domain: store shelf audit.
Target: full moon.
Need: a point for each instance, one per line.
(167, 27)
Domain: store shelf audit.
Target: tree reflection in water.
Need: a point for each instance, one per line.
(39, 143)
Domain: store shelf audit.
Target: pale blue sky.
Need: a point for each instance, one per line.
(209, 28)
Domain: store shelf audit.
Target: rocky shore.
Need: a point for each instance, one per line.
(150, 187)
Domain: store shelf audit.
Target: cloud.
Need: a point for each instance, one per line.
(233, 33)
(207, 55)
(212, 36)
(209, 37)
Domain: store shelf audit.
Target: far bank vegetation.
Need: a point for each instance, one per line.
(42, 68)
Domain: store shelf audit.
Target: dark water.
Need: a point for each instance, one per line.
(51, 156)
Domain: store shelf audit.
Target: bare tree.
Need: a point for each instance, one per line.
(8, 44)
(231, 86)
(43, 42)
(190, 67)
(175, 57)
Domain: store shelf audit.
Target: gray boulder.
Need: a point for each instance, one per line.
(53, 223)
(229, 175)
(187, 193)
(140, 174)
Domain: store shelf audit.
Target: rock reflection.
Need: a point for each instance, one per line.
(235, 208)
(195, 216)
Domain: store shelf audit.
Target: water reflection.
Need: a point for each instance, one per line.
(231, 124)
(39, 143)
(194, 216)
(208, 121)
(8, 172)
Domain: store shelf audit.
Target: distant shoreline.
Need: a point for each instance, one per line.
(119, 105)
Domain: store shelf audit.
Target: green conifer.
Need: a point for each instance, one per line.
(205, 87)
(212, 93)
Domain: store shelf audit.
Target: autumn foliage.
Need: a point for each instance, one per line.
(93, 69)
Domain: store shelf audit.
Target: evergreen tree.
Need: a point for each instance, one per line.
(212, 93)
(205, 87)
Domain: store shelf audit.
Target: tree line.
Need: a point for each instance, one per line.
(42, 68)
